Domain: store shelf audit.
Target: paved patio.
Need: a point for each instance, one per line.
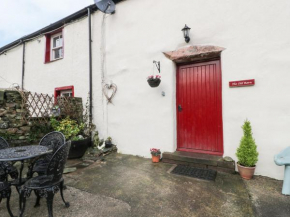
(125, 185)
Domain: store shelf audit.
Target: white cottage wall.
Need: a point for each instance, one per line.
(11, 67)
(257, 46)
(257, 43)
(73, 69)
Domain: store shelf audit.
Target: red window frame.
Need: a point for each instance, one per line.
(58, 90)
(47, 58)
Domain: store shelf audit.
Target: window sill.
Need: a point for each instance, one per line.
(54, 60)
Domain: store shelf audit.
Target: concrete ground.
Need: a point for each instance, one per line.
(125, 185)
(265, 194)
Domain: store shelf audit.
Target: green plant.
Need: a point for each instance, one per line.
(70, 128)
(38, 130)
(8, 136)
(97, 141)
(109, 139)
(89, 127)
(155, 151)
(247, 152)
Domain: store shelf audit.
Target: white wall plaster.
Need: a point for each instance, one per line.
(11, 67)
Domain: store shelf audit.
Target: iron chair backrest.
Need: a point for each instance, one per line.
(3, 143)
(57, 163)
(53, 141)
(54, 138)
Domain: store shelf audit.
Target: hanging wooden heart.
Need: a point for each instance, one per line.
(109, 91)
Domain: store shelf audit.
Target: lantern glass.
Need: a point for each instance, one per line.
(185, 33)
(186, 30)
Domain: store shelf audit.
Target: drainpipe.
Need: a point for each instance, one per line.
(23, 65)
(90, 65)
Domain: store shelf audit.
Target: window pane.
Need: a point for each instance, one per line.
(66, 94)
(60, 41)
(60, 52)
(57, 41)
(57, 53)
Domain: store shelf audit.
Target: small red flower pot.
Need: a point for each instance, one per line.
(155, 159)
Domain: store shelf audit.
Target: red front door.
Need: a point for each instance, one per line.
(199, 108)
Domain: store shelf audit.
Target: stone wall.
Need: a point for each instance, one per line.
(19, 128)
(12, 127)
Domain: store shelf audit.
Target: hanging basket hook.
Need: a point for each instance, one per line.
(157, 64)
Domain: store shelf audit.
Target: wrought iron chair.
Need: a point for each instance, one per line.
(49, 184)
(53, 141)
(8, 168)
(3, 143)
(3, 175)
(5, 192)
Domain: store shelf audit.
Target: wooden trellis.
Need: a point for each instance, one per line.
(70, 106)
(39, 107)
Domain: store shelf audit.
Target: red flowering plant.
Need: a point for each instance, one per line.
(155, 151)
(154, 81)
(151, 77)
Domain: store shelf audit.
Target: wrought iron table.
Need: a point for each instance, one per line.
(30, 153)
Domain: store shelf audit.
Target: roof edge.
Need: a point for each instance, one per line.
(53, 26)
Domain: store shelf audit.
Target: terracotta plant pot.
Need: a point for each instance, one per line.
(246, 172)
(155, 159)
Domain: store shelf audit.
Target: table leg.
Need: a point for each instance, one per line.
(20, 202)
(30, 167)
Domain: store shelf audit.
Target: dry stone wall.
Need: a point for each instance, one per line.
(20, 127)
(12, 127)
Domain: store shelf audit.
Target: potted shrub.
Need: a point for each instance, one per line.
(108, 142)
(75, 132)
(155, 155)
(247, 153)
(154, 82)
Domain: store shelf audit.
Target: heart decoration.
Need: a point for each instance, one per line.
(109, 88)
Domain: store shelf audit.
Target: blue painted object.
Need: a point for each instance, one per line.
(283, 159)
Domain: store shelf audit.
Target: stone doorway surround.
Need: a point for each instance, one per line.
(194, 53)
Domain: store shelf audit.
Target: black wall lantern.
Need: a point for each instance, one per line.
(186, 30)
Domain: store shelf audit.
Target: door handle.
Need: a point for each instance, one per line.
(179, 108)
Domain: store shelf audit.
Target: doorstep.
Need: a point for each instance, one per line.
(199, 160)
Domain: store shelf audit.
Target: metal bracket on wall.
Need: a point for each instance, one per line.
(157, 65)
